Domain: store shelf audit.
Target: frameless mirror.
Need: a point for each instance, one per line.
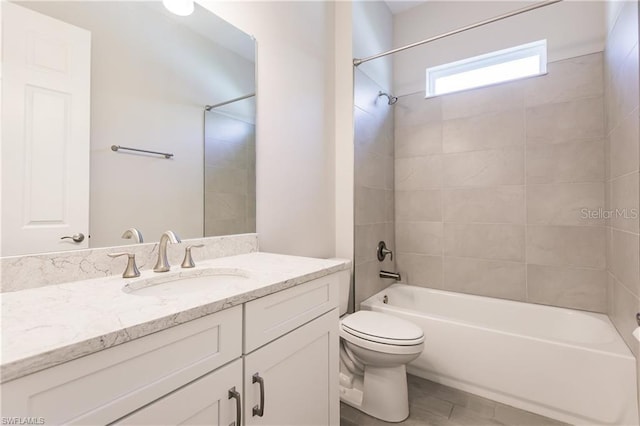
(118, 115)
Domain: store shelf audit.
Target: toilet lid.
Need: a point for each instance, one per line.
(378, 326)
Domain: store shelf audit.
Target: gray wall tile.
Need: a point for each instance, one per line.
(417, 173)
(421, 270)
(418, 140)
(484, 241)
(566, 246)
(502, 204)
(566, 121)
(568, 287)
(624, 143)
(567, 162)
(623, 313)
(416, 110)
(622, 97)
(575, 78)
(492, 278)
(412, 206)
(419, 237)
(624, 202)
(370, 169)
(625, 263)
(370, 205)
(507, 171)
(493, 130)
(503, 166)
(624, 89)
(374, 185)
(496, 98)
(565, 203)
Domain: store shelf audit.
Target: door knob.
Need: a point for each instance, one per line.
(77, 238)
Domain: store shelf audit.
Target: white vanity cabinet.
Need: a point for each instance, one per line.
(299, 370)
(202, 371)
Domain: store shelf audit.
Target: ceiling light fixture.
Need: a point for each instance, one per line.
(179, 7)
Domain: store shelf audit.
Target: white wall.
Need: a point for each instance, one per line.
(572, 28)
(373, 34)
(344, 167)
(295, 122)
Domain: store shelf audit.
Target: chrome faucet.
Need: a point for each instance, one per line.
(133, 233)
(392, 275)
(162, 265)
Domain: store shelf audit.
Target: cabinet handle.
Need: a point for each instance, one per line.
(233, 393)
(258, 410)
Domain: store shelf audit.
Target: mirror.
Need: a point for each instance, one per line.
(82, 78)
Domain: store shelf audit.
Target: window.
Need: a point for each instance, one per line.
(496, 67)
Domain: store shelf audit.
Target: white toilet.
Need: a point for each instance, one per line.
(374, 351)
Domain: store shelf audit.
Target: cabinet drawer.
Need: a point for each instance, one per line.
(272, 316)
(102, 387)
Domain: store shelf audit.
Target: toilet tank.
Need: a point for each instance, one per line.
(345, 287)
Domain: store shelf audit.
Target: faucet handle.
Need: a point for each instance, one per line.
(187, 262)
(131, 271)
(382, 251)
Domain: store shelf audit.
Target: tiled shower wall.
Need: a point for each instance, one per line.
(373, 185)
(623, 178)
(229, 175)
(490, 186)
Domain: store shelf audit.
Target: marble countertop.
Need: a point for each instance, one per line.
(50, 325)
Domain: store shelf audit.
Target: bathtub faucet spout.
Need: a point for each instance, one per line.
(387, 274)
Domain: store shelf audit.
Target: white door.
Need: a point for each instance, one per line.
(299, 373)
(211, 400)
(45, 132)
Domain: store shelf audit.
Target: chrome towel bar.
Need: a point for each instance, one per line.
(118, 147)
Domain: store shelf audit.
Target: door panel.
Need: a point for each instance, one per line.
(45, 132)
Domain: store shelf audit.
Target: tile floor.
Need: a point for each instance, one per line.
(438, 405)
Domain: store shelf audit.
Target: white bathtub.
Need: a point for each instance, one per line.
(561, 363)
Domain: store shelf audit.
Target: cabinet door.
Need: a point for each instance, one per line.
(205, 401)
(300, 377)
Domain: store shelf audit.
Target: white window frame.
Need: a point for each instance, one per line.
(537, 48)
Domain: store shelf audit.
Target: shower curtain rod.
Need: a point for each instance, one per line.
(210, 107)
(357, 61)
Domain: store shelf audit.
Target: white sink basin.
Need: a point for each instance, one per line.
(192, 281)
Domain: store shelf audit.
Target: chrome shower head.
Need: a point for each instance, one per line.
(391, 99)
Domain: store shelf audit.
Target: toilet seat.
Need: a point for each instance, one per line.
(381, 332)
